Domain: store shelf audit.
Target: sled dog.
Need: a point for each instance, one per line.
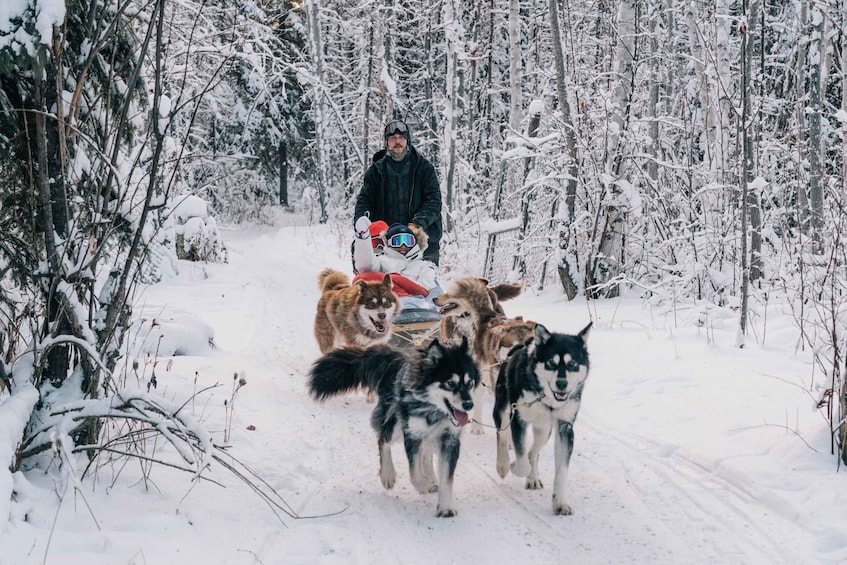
(540, 385)
(475, 305)
(460, 323)
(424, 396)
(358, 314)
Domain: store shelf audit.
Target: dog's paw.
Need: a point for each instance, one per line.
(534, 484)
(445, 512)
(502, 462)
(388, 478)
(424, 486)
(561, 508)
(477, 429)
(520, 467)
(503, 468)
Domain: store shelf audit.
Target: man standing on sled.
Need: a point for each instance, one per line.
(401, 187)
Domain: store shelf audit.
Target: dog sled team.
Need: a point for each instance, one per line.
(430, 385)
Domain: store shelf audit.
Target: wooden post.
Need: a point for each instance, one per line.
(283, 174)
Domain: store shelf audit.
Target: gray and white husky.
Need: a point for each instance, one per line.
(424, 396)
(540, 385)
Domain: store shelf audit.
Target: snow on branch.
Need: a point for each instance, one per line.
(192, 443)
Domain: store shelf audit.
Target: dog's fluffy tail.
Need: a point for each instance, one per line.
(350, 368)
(330, 279)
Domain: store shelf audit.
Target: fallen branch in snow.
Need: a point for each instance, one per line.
(142, 419)
(782, 426)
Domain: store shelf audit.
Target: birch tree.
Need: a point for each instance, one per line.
(606, 265)
(565, 266)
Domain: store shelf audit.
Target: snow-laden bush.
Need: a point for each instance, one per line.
(197, 237)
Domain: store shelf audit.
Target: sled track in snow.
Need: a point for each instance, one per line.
(678, 489)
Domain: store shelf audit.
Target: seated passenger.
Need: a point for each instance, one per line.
(401, 253)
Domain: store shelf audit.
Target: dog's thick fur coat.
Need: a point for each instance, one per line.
(540, 385)
(424, 396)
(479, 316)
(460, 323)
(358, 314)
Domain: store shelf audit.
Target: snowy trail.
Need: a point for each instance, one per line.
(637, 497)
(704, 511)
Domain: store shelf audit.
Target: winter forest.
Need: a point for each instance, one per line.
(693, 150)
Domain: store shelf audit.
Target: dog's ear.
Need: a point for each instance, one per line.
(542, 334)
(386, 281)
(435, 351)
(507, 291)
(584, 333)
(362, 284)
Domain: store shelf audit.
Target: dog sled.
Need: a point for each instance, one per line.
(419, 321)
(414, 327)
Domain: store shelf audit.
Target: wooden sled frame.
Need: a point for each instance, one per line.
(415, 327)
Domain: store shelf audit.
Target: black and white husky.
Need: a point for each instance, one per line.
(540, 385)
(424, 398)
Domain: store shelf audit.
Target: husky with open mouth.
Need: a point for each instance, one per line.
(540, 386)
(424, 398)
(357, 314)
(476, 313)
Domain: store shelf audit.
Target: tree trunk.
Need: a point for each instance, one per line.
(451, 85)
(527, 195)
(747, 169)
(565, 266)
(366, 118)
(814, 225)
(318, 104)
(514, 66)
(606, 264)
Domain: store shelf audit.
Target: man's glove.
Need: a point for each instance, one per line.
(420, 236)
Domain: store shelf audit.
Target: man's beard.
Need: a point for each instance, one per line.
(401, 156)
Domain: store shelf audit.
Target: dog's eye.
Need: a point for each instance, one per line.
(550, 365)
(572, 366)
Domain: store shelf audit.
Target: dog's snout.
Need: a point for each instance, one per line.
(381, 315)
(561, 384)
(467, 405)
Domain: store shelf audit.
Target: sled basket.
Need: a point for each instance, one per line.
(414, 327)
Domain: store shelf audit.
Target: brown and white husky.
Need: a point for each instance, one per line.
(357, 314)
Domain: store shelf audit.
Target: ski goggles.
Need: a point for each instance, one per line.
(400, 239)
(395, 126)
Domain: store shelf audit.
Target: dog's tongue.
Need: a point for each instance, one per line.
(447, 307)
(461, 417)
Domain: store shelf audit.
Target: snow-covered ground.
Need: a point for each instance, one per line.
(688, 450)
